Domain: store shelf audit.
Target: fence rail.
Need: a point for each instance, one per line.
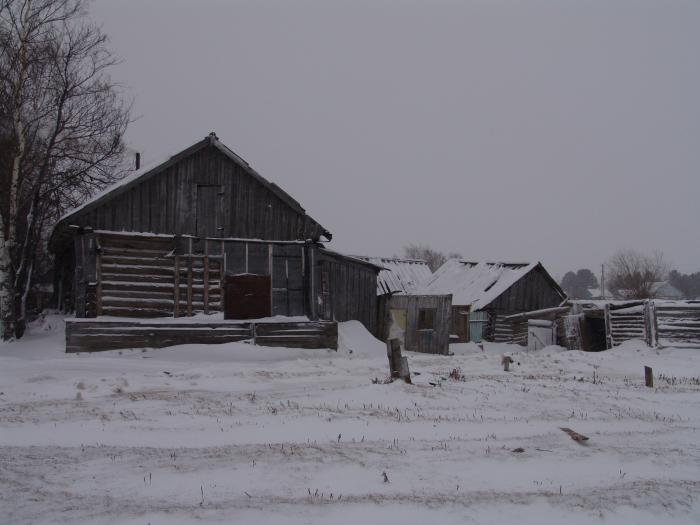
(97, 335)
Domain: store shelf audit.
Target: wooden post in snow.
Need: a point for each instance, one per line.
(648, 377)
(398, 365)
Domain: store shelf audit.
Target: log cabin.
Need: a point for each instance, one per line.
(203, 233)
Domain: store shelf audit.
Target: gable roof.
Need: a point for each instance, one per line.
(664, 290)
(145, 173)
(478, 284)
(399, 276)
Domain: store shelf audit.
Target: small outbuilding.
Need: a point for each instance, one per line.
(420, 322)
(485, 293)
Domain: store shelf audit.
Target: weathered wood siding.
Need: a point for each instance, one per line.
(97, 336)
(430, 341)
(130, 275)
(532, 292)
(344, 289)
(678, 323)
(203, 194)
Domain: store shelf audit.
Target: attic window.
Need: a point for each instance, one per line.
(426, 319)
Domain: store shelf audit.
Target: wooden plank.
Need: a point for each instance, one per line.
(98, 269)
(101, 335)
(206, 285)
(189, 287)
(176, 299)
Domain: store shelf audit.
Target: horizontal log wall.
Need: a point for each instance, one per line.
(678, 323)
(628, 323)
(136, 275)
(96, 336)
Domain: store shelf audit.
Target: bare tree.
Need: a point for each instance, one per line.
(61, 124)
(433, 258)
(631, 274)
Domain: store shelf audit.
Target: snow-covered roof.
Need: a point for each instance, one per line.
(399, 276)
(476, 284)
(665, 290)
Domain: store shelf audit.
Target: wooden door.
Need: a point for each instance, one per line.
(540, 333)
(247, 296)
(477, 325)
(209, 211)
(397, 329)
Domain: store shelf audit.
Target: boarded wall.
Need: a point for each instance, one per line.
(344, 289)
(204, 193)
(433, 339)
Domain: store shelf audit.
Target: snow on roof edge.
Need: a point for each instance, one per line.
(475, 284)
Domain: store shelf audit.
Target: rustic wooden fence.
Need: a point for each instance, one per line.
(678, 323)
(626, 322)
(96, 336)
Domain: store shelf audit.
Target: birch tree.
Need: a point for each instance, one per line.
(62, 120)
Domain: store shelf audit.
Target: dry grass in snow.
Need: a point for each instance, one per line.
(237, 434)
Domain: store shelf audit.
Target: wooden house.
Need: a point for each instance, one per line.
(203, 232)
(485, 293)
(420, 322)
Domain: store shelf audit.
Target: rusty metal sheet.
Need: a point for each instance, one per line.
(247, 296)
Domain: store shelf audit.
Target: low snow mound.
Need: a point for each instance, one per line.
(354, 338)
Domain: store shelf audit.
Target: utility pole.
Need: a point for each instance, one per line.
(602, 281)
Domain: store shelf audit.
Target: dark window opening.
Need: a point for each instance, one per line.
(426, 319)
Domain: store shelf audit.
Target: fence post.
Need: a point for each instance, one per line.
(608, 328)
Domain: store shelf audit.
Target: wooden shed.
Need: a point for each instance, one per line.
(420, 322)
(485, 293)
(203, 232)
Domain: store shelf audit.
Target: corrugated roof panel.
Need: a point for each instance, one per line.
(402, 276)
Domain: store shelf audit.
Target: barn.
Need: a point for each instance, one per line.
(485, 293)
(203, 233)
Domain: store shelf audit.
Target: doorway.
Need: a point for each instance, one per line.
(209, 211)
(397, 328)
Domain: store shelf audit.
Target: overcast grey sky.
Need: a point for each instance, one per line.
(557, 130)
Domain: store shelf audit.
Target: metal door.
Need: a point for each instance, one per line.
(247, 296)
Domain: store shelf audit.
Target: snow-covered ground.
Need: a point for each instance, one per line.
(240, 434)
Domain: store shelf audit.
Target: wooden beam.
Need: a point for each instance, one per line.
(177, 287)
(206, 284)
(98, 274)
(189, 286)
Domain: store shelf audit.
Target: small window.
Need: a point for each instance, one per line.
(426, 319)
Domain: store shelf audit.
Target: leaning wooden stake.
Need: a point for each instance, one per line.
(649, 376)
(506, 360)
(398, 365)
